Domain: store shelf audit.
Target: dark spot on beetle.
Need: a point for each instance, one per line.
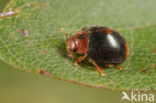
(154, 49)
(144, 71)
(73, 50)
(45, 52)
(82, 36)
(43, 72)
(23, 32)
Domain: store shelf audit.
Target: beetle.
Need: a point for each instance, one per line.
(100, 44)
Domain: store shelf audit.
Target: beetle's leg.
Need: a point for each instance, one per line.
(80, 59)
(117, 66)
(72, 55)
(97, 67)
(114, 65)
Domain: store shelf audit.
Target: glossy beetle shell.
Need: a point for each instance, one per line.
(105, 45)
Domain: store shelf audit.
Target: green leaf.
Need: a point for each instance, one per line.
(32, 39)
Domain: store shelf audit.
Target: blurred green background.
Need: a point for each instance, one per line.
(17, 86)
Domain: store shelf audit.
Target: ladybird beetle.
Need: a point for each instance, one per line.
(100, 44)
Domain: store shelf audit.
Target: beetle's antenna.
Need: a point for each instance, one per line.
(66, 37)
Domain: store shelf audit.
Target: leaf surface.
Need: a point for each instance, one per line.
(32, 39)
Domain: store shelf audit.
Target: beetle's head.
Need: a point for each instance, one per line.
(77, 43)
(71, 45)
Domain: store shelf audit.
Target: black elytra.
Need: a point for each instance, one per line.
(104, 47)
